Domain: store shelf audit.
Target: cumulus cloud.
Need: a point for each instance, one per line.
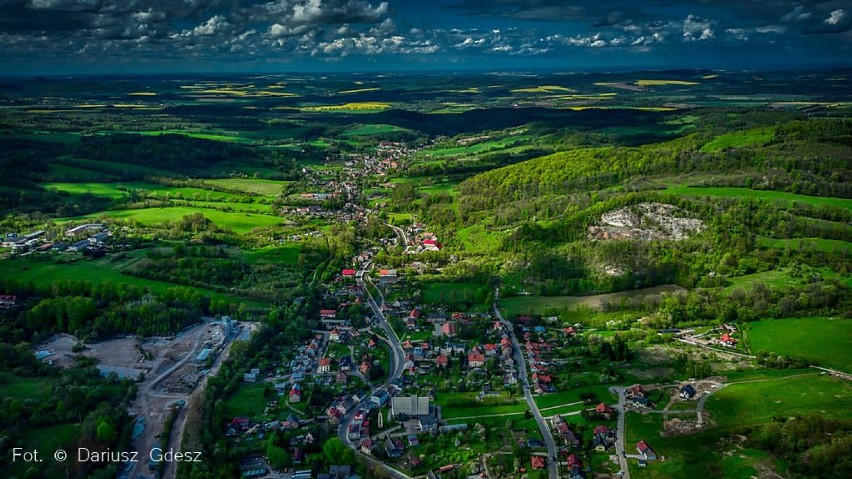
(696, 29)
(835, 17)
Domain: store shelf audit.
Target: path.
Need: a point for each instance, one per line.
(619, 432)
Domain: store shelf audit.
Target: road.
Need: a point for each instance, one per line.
(396, 361)
(552, 464)
(401, 233)
(619, 441)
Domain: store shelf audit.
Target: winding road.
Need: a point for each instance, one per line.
(396, 361)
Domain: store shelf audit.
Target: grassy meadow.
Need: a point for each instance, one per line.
(826, 341)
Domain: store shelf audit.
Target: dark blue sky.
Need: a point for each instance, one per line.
(118, 36)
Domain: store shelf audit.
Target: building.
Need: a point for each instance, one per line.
(476, 359)
(727, 340)
(8, 301)
(348, 273)
(328, 313)
(324, 366)
(687, 392)
(296, 393)
(538, 462)
(380, 398)
(409, 406)
(203, 355)
(646, 451)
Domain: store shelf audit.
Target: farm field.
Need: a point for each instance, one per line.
(254, 186)
(754, 137)
(546, 305)
(826, 341)
(238, 222)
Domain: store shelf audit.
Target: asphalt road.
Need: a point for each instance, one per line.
(619, 441)
(396, 362)
(552, 465)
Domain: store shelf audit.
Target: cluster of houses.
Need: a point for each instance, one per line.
(420, 241)
(90, 236)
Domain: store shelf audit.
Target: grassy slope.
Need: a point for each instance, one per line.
(828, 341)
(100, 270)
(545, 304)
(778, 196)
(239, 222)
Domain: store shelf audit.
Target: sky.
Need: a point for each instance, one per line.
(148, 36)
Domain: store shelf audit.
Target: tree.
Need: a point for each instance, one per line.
(337, 453)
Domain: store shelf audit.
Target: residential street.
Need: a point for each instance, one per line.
(552, 465)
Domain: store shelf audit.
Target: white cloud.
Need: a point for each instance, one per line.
(217, 23)
(835, 17)
(798, 14)
(697, 29)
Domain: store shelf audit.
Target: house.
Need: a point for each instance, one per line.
(339, 472)
(380, 398)
(442, 361)
(324, 366)
(728, 340)
(641, 401)
(387, 276)
(341, 378)
(365, 367)
(8, 301)
(409, 406)
(328, 313)
(296, 393)
(334, 335)
(366, 446)
(345, 363)
(476, 359)
(239, 424)
(603, 410)
(646, 451)
(603, 438)
(249, 377)
(348, 273)
(538, 462)
(687, 392)
(636, 391)
(394, 447)
(448, 329)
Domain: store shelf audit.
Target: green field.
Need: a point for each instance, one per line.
(118, 190)
(238, 222)
(100, 270)
(573, 395)
(278, 255)
(688, 456)
(452, 293)
(807, 244)
(247, 401)
(754, 137)
(251, 185)
(827, 341)
(519, 305)
(373, 129)
(23, 388)
(768, 195)
(756, 402)
(47, 439)
(778, 278)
